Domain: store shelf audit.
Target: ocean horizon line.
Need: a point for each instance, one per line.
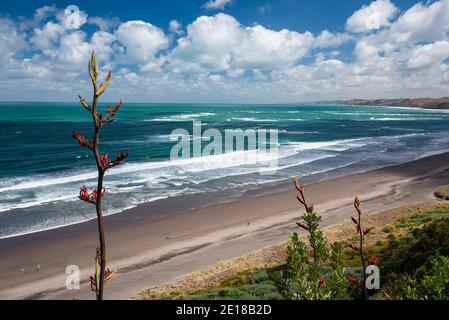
(177, 103)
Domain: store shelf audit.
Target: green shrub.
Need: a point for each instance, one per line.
(413, 250)
(432, 283)
(318, 274)
(406, 260)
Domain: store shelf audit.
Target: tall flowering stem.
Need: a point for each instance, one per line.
(310, 222)
(361, 233)
(103, 164)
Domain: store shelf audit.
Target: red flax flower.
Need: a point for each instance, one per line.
(81, 139)
(90, 197)
(122, 156)
(322, 281)
(374, 260)
(84, 194)
(351, 279)
(104, 161)
(94, 195)
(114, 111)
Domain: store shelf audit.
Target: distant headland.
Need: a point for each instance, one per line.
(425, 103)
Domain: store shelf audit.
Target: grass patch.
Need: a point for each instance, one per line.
(260, 291)
(257, 285)
(422, 219)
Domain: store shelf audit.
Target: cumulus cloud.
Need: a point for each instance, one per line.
(12, 41)
(67, 48)
(217, 58)
(45, 12)
(175, 27)
(373, 17)
(141, 40)
(220, 43)
(73, 49)
(426, 55)
(216, 4)
(104, 24)
(46, 38)
(327, 39)
(421, 23)
(102, 44)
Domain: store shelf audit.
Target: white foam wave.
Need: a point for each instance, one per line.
(348, 143)
(255, 120)
(400, 119)
(39, 181)
(158, 169)
(52, 225)
(36, 203)
(184, 117)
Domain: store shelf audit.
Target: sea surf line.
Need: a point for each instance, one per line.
(235, 142)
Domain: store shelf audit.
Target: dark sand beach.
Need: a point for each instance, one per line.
(148, 249)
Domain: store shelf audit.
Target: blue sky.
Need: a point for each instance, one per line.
(227, 50)
(299, 15)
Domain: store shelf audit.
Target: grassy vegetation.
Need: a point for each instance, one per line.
(412, 259)
(422, 219)
(415, 256)
(257, 285)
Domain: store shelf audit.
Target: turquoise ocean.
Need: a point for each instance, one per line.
(42, 167)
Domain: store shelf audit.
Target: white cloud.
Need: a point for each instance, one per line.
(220, 43)
(235, 73)
(35, 69)
(175, 27)
(68, 48)
(102, 44)
(265, 8)
(421, 23)
(373, 17)
(216, 4)
(258, 75)
(208, 44)
(45, 12)
(215, 77)
(426, 55)
(46, 38)
(407, 37)
(217, 58)
(104, 24)
(327, 39)
(266, 49)
(74, 50)
(11, 40)
(142, 41)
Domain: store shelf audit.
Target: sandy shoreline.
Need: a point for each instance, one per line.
(148, 251)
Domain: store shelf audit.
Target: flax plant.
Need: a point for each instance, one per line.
(103, 164)
(361, 232)
(306, 277)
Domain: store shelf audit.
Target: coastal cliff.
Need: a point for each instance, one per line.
(424, 103)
